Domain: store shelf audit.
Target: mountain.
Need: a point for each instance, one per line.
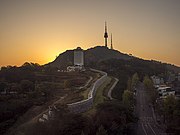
(100, 53)
(63, 60)
(93, 56)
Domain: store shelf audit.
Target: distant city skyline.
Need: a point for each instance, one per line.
(39, 30)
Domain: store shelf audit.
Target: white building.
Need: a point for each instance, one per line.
(168, 93)
(78, 57)
(165, 91)
(74, 68)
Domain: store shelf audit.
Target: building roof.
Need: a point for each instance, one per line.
(78, 49)
(164, 87)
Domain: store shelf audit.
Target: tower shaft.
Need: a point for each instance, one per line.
(111, 42)
(105, 35)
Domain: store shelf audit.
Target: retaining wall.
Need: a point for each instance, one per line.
(84, 105)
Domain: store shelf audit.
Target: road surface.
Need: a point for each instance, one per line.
(111, 88)
(146, 124)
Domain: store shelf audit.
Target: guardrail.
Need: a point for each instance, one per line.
(84, 105)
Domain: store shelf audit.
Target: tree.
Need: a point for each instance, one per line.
(46, 89)
(15, 87)
(63, 124)
(148, 83)
(114, 116)
(27, 85)
(128, 98)
(169, 106)
(135, 80)
(67, 84)
(101, 131)
(82, 133)
(171, 111)
(3, 86)
(129, 84)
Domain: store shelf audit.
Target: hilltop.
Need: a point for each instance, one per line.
(98, 54)
(91, 55)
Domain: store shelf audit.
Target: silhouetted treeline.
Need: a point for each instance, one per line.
(111, 117)
(31, 84)
(16, 74)
(17, 92)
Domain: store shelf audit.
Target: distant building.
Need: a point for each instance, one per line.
(171, 78)
(179, 77)
(165, 91)
(78, 61)
(70, 69)
(74, 68)
(157, 80)
(78, 57)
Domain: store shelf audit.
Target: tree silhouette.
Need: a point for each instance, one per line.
(101, 131)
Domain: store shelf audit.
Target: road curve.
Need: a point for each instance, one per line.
(112, 87)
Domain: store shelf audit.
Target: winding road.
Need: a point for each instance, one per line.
(111, 89)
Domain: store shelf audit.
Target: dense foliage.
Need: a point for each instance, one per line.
(125, 69)
(31, 85)
(171, 111)
(110, 118)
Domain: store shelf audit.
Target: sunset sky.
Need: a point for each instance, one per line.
(39, 30)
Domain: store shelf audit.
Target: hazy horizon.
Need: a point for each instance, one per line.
(39, 30)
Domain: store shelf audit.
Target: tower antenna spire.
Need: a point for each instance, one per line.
(105, 34)
(111, 42)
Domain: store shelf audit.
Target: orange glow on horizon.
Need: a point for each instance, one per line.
(38, 31)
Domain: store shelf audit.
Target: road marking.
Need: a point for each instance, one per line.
(146, 119)
(149, 119)
(152, 129)
(144, 129)
(154, 117)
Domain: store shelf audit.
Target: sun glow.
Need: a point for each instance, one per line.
(40, 31)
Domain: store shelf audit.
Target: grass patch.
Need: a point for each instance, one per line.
(99, 97)
(85, 92)
(105, 93)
